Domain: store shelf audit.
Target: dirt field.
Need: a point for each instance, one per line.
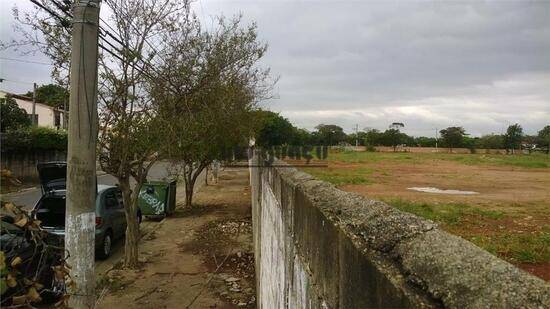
(509, 216)
(200, 258)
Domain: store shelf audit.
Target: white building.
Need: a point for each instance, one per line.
(46, 115)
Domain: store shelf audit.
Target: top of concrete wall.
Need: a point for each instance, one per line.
(451, 270)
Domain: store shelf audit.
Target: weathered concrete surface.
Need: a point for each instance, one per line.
(23, 163)
(319, 247)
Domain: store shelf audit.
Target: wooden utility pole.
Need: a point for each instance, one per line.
(81, 156)
(34, 120)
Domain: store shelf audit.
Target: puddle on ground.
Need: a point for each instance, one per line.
(441, 191)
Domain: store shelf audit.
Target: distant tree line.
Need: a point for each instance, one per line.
(275, 130)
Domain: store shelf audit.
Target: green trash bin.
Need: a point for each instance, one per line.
(157, 198)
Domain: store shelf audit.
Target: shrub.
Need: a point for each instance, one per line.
(370, 148)
(13, 117)
(35, 138)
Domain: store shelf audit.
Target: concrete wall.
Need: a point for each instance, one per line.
(22, 164)
(319, 247)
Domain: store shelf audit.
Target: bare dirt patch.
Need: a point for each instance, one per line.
(496, 185)
(509, 217)
(197, 258)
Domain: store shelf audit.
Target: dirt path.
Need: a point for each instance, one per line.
(200, 258)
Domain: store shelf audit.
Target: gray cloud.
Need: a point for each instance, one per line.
(482, 65)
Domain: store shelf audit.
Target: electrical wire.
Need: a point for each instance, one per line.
(66, 24)
(25, 61)
(119, 41)
(13, 81)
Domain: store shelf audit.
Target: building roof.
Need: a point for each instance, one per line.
(25, 98)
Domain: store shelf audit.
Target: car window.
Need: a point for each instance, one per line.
(119, 198)
(110, 200)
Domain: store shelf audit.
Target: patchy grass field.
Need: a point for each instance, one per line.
(509, 217)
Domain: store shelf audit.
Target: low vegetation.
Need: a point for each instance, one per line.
(447, 214)
(483, 228)
(515, 230)
(534, 160)
(35, 138)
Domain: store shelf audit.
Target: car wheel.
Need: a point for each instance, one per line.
(105, 250)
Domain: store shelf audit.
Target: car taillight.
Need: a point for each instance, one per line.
(97, 221)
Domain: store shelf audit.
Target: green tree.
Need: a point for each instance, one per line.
(274, 129)
(128, 126)
(209, 109)
(302, 137)
(392, 137)
(470, 143)
(453, 137)
(423, 141)
(490, 141)
(544, 138)
(373, 137)
(513, 137)
(330, 134)
(12, 117)
(51, 94)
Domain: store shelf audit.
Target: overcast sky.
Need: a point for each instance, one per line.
(480, 65)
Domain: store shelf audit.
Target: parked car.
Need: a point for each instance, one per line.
(110, 219)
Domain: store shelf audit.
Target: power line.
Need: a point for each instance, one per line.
(118, 40)
(66, 24)
(26, 61)
(13, 81)
(62, 8)
(136, 29)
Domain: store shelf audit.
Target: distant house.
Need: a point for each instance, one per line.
(46, 116)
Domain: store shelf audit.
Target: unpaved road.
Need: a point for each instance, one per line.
(199, 258)
(28, 198)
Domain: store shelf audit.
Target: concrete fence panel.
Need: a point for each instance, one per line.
(22, 164)
(319, 247)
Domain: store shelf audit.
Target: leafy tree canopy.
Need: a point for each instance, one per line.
(453, 136)
(330, 134)
(513, 136)
(274, 129)
(51, 94)
(544, 138)
(490, 141)
(13, 117)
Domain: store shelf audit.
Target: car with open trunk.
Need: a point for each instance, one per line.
(110, 219)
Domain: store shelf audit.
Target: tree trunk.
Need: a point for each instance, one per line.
(189, 185)
(191, 176)
(132, 228)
